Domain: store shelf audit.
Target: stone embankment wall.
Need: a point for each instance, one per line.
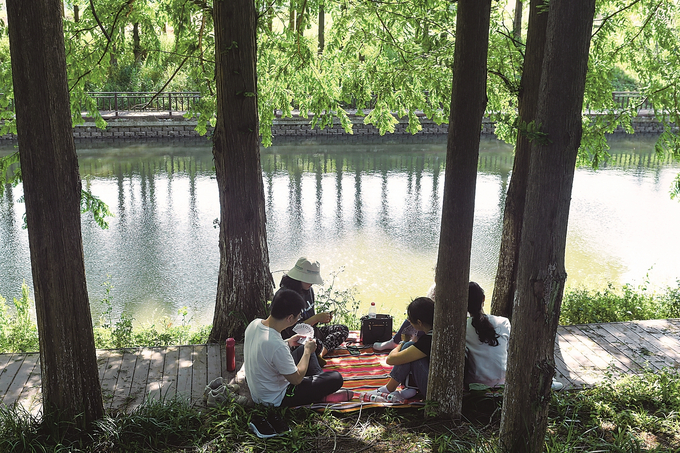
(136, 126)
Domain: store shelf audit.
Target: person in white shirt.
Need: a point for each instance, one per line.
(486, 342)
(274, 375)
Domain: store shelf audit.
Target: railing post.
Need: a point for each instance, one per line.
(169, 103)
(115, 103)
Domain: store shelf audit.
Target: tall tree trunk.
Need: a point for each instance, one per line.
(76, 12)
(322, 36)
(244, 282)
(517, 23)
(506, 273)
(291, 16)
(541, 272)
(468, 102)
(136, 46)
(52, 187)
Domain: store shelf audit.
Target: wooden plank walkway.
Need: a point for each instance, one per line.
(584, 355)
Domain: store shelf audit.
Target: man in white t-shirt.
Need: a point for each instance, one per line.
(274, 375)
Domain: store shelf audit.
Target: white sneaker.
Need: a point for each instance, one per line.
(214, 385)
(385, 345)
(556, 386)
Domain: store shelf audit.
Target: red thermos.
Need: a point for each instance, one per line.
(231, 354)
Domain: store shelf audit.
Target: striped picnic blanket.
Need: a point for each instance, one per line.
(363, 370)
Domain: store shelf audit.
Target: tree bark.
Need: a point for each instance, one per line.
(244, 282)
(468, 102)
(506, 273)
(52, 187)
(136, 45)
(517, 23)
(541, 272)
(322, 35)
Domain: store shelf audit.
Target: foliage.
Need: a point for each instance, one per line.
(160, 332)
(582, 305)
(99, 209)
(18, 333)
(622, 81)
(341, 303)
(636, 413)
(154, 426)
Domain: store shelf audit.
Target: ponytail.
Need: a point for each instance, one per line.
(483, 327)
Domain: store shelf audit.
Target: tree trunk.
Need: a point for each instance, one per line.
(506, 273)
(541, 273)
(468, 102)
(291, 16)
(322, 36)
(52, 187)
(136, 46)
(517, 23)
(244, 282)
(76, 13)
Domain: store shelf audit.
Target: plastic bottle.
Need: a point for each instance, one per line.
(231, 354)
(374, 397)
(395, 397)
(371, 310)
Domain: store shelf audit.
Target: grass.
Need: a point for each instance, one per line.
(582, 305)
(635, 414)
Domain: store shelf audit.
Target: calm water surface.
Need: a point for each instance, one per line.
(369, 213)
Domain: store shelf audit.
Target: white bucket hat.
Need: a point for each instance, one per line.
(306, 271)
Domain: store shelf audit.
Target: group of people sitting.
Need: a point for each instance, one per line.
(285, 368)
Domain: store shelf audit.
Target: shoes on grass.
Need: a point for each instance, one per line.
(217, 393)
(214, 385)
(261, 427)
(270, 426)
(278, 423)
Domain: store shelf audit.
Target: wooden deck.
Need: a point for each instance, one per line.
(127, 376)
(584, 354)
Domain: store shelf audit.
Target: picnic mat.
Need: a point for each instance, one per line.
(363, 370)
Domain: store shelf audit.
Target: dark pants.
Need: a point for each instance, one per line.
(315, 386)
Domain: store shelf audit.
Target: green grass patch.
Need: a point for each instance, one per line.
(634, 414)
(628, 303)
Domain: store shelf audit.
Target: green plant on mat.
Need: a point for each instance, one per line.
(342, 303)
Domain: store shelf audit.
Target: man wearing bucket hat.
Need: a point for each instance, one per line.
(300, 278)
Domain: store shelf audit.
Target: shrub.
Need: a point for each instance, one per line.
(582, 305)
(342, 304)
(18, 333)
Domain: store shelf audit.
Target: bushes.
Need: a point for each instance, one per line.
(18, 333)
(582, 306)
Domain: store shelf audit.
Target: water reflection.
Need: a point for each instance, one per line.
(373, 209)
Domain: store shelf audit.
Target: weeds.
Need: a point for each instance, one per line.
(18, 333)
(634, 414)
(582, 306)
(341, 303)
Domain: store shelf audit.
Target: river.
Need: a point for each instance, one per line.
(368, 212)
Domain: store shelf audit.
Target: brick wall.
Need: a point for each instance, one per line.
(285, 129)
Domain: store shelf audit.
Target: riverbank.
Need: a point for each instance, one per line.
(161, 126)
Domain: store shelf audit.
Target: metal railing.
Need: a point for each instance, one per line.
(631, 99)
(171, 102)
(181, 101)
